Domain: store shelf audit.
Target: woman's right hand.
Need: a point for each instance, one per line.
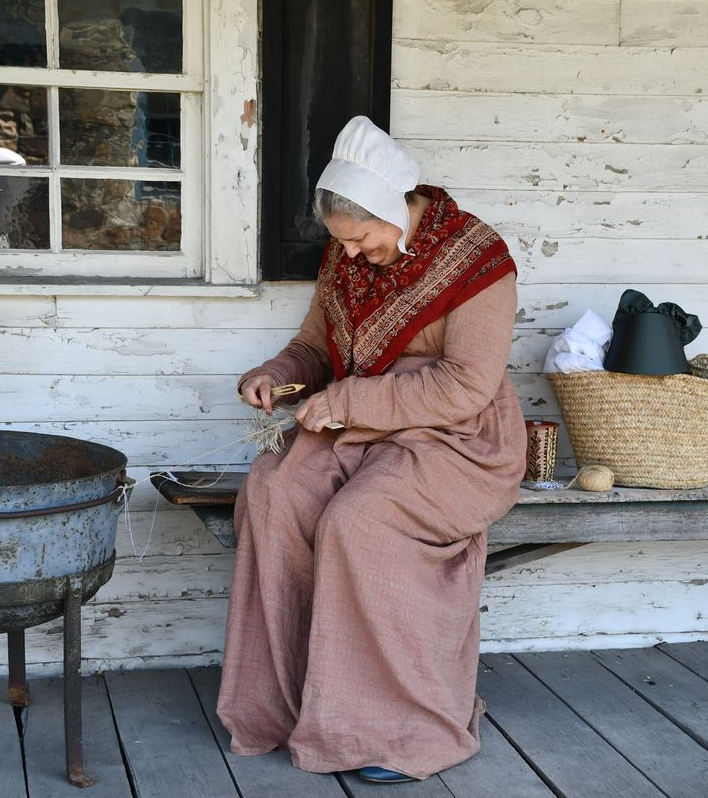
(257, 392)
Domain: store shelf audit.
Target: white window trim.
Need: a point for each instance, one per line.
(221, 74)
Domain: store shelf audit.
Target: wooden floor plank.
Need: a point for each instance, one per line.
(167, 741)
(12, 777)
(671, 759)
(693, 655)
(44, 742)
(496, 771)
(671, 687)
(573, 758)
(271, 775)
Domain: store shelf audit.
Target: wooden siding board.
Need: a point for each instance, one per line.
(562, 261)
(541, 306)
(563, 69)
(553, 737)
(212, 400)
(522, 614)
(44, 742)
(529, 21)
(103, 398)
(672, 761)
(18, 311)
(134, 352)
(631, 562)
(562, 166)
(176, 627)
(158, 444)
(177, 353)
(163, 577)
(175, 533)
(535, 213)
(283, 306)
(591, 118)
(666, 23)
(597, 612)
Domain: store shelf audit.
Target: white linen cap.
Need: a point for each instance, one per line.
(371, 169)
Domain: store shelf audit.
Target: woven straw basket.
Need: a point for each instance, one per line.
(650, 431)
(699, 366)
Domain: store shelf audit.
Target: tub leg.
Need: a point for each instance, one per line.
(19, 692)
(72, 685)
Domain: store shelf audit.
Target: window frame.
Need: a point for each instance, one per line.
(218, 170)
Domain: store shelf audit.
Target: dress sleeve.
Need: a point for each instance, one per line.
(448, 392)
(305, 359)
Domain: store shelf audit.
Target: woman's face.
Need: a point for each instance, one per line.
(375, 239)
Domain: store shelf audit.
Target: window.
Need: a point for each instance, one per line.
(113, 154)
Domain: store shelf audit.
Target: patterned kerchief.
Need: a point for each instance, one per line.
(373, 313)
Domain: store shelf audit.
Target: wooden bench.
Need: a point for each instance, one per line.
(539, 525)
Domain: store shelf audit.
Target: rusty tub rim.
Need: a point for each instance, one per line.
(115, 461)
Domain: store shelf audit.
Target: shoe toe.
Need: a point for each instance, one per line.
(383, 776)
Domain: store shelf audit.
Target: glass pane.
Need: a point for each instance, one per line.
(23, 122)
(24, 213)
(22, 35)
(121, 35)
(119, 128)
(121, 214)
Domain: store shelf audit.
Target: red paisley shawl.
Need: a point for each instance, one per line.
(373, 313)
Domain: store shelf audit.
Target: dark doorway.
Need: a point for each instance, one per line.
(324, 61)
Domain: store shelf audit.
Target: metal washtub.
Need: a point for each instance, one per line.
(60, 499)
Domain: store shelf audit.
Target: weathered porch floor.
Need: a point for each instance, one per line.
(630, 723)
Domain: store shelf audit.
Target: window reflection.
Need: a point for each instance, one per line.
(22, 34)
(24, 213)
(121, 214)
(23, 122)
(124, 35)
(119, 128)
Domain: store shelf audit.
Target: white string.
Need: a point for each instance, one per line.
(129, 527)
(125, 496)
(167, 474)
(194, 460)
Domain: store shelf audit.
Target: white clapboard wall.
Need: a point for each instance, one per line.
(579, 130)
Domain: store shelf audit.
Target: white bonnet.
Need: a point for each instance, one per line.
(371, 169)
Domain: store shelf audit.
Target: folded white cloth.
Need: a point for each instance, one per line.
(580, 347)
(10, 158)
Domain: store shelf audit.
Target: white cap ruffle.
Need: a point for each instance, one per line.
(371, 169)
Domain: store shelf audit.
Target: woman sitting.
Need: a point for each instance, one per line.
(353, 629)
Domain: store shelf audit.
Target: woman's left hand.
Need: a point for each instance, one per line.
(314, 412)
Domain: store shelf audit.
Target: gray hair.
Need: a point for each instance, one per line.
(327, 203)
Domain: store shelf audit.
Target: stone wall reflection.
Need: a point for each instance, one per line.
(120, 214)
(23, 122)
(98, 128)
(109, 127)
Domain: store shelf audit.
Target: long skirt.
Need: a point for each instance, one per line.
(353, 627)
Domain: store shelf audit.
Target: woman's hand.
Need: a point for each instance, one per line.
(314, 412)
(257, 392)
